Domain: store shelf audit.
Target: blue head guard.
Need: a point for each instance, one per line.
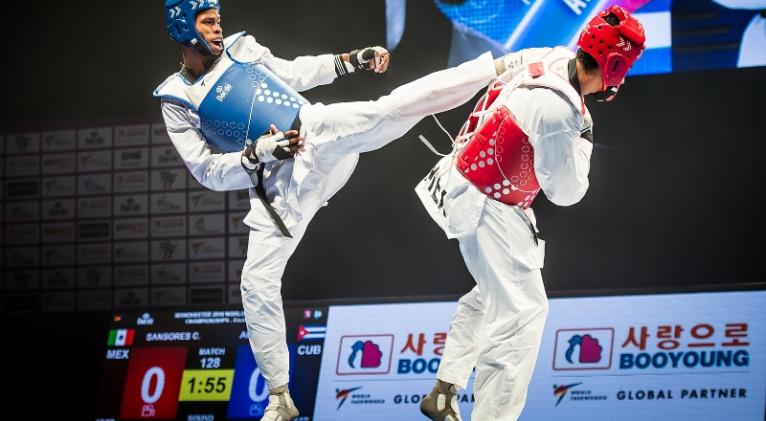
(180, 16)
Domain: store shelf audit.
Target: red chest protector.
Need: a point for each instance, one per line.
(498, 158)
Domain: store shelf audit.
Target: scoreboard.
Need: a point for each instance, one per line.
(197, 365)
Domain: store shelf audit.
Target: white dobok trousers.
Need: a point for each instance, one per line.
(498, 325)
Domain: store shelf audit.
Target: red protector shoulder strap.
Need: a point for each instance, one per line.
(536, 69)
(482, 105)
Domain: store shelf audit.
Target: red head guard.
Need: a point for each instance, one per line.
(615, 48)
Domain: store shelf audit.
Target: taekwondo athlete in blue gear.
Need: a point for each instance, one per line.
(231, 90)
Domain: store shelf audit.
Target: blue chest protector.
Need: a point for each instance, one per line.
(243, 103)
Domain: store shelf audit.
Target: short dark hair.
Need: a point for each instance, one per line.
(589, 64)
(612, 19)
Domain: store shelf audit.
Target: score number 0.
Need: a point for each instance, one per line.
(148, 396)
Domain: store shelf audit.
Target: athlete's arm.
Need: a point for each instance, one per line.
(215, 171)
(562, 154)
(306, 72)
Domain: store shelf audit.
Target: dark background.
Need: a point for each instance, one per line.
(675, 201)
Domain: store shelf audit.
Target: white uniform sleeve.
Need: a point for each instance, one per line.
(215, 171)
(514, 61)
(562, 156)
(304, 72)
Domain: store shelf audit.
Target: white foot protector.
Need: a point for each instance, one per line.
(441, 403)
(280, 408)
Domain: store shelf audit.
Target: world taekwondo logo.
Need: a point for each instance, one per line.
(561, 391)
(343, 394)
(222, 91)
(576, 394)
(357, 398)
(583, 349)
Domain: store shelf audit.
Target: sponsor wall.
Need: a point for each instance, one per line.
(668, 357)
(109, 217)
(381, 359)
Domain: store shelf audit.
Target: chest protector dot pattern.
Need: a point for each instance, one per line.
(498, 158)
(243, 103)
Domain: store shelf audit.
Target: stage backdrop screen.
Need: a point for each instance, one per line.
(680, 34)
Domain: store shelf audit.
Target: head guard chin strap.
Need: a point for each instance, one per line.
(180, 17)
(607, 94)
(615, 46)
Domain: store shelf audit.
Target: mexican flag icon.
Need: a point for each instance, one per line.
(120, 337)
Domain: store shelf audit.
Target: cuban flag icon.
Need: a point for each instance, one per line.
(311, 332)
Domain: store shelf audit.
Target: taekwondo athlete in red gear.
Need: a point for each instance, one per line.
(230, 91)
(531, 131)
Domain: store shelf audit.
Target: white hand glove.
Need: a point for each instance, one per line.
(272, 147)
(267, 148)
